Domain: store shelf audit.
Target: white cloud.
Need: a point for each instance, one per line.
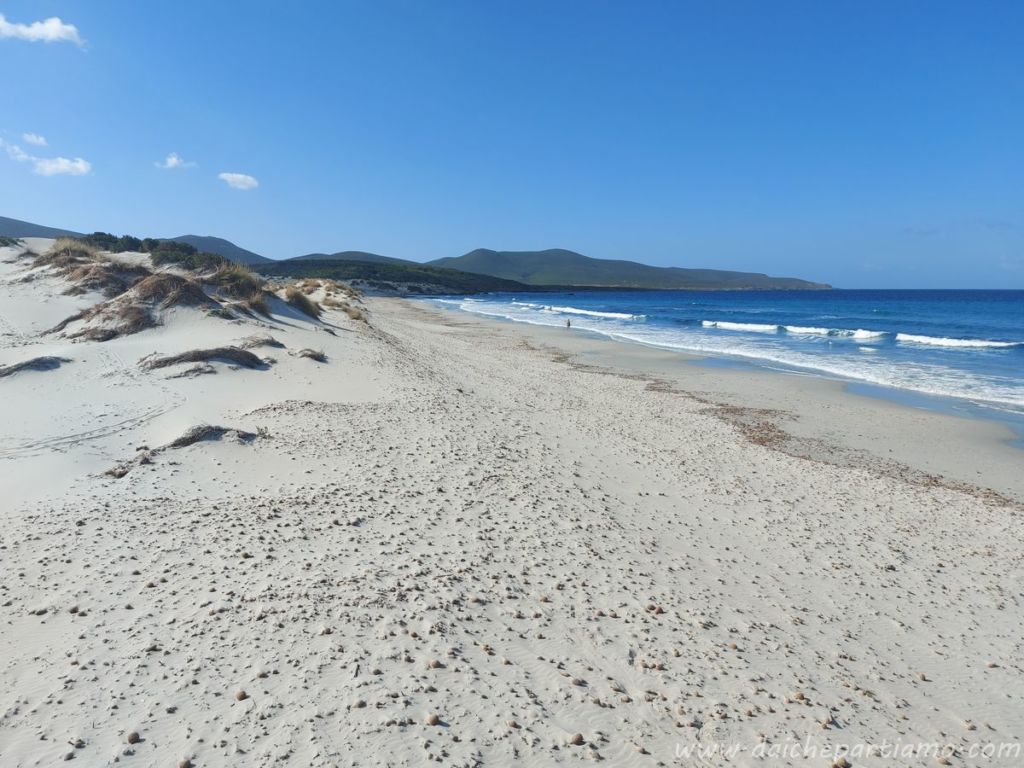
(51, 30)
(238, 180)
(48, 166)
(174, 160)
(15, 152)
(34, 138)
(56, 166)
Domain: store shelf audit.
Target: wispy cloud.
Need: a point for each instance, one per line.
(51, 30)
(57, 166)
(15, 152)
(174, 160)
(48, 166)
(238, 180)
(34, 138)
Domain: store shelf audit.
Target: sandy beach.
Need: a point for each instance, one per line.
(466, 542)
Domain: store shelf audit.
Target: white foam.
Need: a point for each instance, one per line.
(591, 313)
(943, 342)
(754, 327)
(805, 331)
(860, 333)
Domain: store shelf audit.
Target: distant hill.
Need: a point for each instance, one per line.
(16, 228)
(221, 247)
(373, 258)
(416, 278)
(561, 267)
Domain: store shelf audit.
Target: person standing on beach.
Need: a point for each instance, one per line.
(568, 323)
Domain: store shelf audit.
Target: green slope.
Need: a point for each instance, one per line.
(561, 267)
(221, 247)
(17, 228)
(373, 258)
(439, 280)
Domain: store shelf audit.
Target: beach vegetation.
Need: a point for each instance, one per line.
(300, 301)
(233, 355)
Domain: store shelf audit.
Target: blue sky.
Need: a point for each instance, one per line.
(867, 144)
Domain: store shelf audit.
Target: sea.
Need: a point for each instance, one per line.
(954, 350)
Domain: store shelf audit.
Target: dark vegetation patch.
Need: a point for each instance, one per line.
(161, 252)
(312, 354)
(35, 364)
(384, 275)
(207, 432)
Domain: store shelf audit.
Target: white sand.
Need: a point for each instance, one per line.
(451, 518)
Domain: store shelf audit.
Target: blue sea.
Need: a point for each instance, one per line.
(962, 345)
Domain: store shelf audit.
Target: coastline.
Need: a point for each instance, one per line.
(828, 418)
(457, 542)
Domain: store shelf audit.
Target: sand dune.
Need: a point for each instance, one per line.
(454, 543)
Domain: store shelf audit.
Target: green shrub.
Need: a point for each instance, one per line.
(108, 242)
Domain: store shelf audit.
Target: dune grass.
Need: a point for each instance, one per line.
(105, 277)
(296, 298)
(256, 342)
(233, 355)
(241, 284)
(67, 254)
(236, 280)
(353, 312)
(167, 289)
(312, 354)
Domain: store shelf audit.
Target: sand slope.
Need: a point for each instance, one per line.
(454, 546)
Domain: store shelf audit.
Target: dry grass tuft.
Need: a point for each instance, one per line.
(207, 432)
(133, 310)
(257, 302)
(353, 312)
(236, 281)
(69, 258)
(87, 269)
(255, 342)
(119, 320)
(35, 364)
(66, 254)
(104, 276)
(241, 284)
(312, 354)
(302, 302)
(166, 289)
(233, 355)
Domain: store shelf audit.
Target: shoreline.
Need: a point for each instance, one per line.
(452, 541)
(970, 449)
